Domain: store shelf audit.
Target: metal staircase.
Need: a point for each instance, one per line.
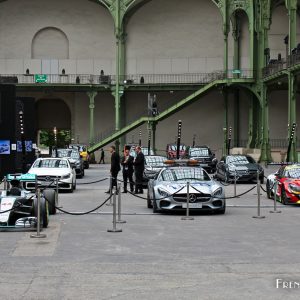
(163, 115)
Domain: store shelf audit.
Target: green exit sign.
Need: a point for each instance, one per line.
(40, 78)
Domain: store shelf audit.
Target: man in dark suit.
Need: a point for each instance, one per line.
(127, 163)
(114, 168)
(139, 166)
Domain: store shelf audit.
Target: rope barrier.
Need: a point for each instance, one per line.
(237, 196)
(83, 213)
(100, 180)
(263, 189)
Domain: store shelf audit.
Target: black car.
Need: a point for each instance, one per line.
(241, 167)
(153, 165)
(74, 158)
(204, 156)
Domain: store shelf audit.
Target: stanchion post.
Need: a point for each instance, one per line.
(38, 227)
(235, 183)
(119, 205)
(114, 215)
(5, 184)
(275, 211)
(187, 217)
(111, 191)
(258, 199)
(56, 192)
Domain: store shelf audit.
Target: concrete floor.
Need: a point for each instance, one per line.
(159, 256)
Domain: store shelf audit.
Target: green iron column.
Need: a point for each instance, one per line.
(265, 145)
(92, 95)
(292, 89)
(292, 13)
(225, 126)
(264, 21)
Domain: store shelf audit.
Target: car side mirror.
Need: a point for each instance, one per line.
(73, 165)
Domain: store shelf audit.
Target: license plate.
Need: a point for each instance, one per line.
(204, 165)
(192, 205)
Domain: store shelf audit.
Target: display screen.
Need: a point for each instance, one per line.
(27, 144)
(4, 147)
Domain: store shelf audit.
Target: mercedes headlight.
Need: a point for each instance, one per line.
(163, 193)
(67, 176)
(218, 192)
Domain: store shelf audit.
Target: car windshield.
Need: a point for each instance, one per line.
(51, 163)
(197, 174)
(145, 151)
(239, 160)
(67, 153)
(198, 152)
(292, 173)
(75, 155)
(62, 153)
(174, 147)
(155, 161)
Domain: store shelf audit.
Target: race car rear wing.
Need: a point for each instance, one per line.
(21, 177)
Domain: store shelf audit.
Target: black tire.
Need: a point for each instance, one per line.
(283, 198)
(222, 210)
(149, 204)
(74, 185)
(154, 206)
(51, 199)
(226, 178)
(268, 188)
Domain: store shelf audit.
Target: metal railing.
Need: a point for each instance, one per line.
(279, 65)
(136, 79)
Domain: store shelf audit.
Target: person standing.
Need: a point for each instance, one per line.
(139, 166)
(114, 168)
(127, 163)
(102, 157)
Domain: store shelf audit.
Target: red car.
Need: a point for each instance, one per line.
(288, 184)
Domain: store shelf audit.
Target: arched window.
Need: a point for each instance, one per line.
(50, 43)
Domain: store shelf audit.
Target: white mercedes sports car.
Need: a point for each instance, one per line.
(48, 170)
(168, 190)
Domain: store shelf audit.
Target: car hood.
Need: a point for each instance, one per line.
(49, 171)
(195, 187)
(251, 167)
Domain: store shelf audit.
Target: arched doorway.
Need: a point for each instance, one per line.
(53, 122)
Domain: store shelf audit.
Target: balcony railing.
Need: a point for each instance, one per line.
(136, 79)
(279, 65)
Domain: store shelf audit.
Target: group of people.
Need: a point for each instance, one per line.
(130, 166)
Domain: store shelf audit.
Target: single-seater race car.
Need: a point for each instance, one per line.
(285, 183)
(168, 190)
(18, 207)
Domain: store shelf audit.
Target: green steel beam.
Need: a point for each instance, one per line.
(162, 116)
(225, 126)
